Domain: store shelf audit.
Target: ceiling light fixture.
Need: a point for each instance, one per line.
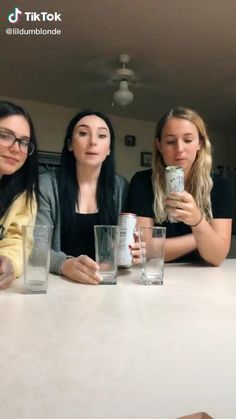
(123, 96)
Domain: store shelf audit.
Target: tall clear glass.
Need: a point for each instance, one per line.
(36, 253)
(152, 261)
(106, 252)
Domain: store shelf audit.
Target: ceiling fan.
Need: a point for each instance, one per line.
(123, 77)
(120, 80)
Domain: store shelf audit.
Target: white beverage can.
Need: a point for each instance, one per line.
(127, 223)
(174, 182)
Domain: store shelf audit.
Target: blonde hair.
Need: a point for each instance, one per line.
(199, 183)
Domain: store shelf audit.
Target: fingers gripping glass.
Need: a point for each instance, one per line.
(7, 140)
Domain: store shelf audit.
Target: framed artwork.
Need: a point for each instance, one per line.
(130, 140)
(145, 158)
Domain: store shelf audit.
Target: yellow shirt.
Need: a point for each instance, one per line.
(11, 245)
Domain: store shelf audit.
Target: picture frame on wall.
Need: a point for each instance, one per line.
(145, 159)
(130, 140)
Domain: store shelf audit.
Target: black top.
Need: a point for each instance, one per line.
(141, 198)
(73, 245)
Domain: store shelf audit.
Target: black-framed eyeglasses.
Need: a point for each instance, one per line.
(7, 140)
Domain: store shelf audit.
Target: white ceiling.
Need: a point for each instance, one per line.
(183, 51)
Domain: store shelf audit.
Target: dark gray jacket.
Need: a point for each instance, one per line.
(49, 212)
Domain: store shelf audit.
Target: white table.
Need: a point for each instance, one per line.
(121, 351)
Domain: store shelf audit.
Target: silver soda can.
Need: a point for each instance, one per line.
(127, 222)
(174, 182)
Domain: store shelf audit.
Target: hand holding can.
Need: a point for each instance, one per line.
(174, 176)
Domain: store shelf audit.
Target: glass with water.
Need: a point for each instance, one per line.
(36, 254)
(106, 252)
(152, 260)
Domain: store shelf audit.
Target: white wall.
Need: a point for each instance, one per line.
(128, 158)
(51, 121)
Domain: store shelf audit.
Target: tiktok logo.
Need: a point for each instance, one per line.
(14, 17)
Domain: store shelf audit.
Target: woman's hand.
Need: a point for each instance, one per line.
(182, 207)
(82, 269)
(137, 249)
(6, 272)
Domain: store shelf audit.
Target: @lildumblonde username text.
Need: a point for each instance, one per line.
(36, 31)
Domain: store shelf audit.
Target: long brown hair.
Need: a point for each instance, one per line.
(199, 183)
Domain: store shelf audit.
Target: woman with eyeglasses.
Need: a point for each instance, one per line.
(18, 186)
(203, 212)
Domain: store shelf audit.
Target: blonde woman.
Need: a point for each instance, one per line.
(203, 210)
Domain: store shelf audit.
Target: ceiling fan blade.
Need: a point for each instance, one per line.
(101, 67)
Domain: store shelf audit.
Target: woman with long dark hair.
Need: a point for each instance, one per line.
(18, 186)
(85, 192)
